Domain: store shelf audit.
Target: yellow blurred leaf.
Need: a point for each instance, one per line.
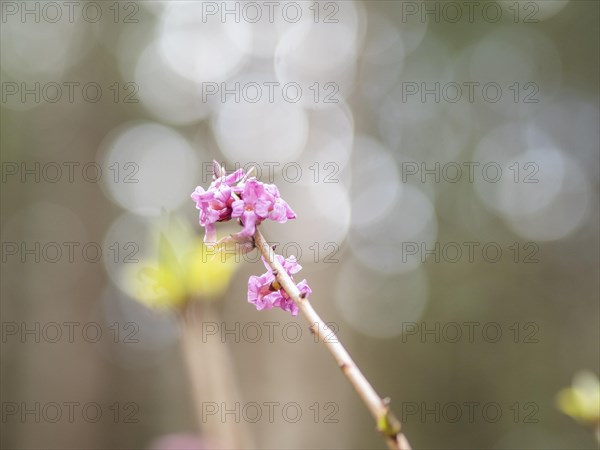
(581, 401)
(185, 269)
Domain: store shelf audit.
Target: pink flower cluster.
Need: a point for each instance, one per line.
(238, 196)
(234, 196)
(265, 292)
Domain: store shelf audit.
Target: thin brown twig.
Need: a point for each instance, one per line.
(387, 423)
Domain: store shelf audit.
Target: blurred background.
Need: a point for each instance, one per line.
(442, 159)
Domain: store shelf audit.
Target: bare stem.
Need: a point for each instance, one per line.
(387, 424)
(211, 375)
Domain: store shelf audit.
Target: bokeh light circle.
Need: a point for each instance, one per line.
(516, 68)
(261, 131)
(375, 182)
(382, 57)
(378, 305)
(167, 95)
(566, 212)
(148, 167)
(533, 184)
(387, 245)
(329, 144)
(129, 236)
(321, 56)
(199, 47)
(34, 50)
(323, 212)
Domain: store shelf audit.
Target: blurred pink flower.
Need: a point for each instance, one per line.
(239, 196)
(215, 203)
(259, 290)
(234, 196)
(253, 206)
(265, 292)
(281, 211)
